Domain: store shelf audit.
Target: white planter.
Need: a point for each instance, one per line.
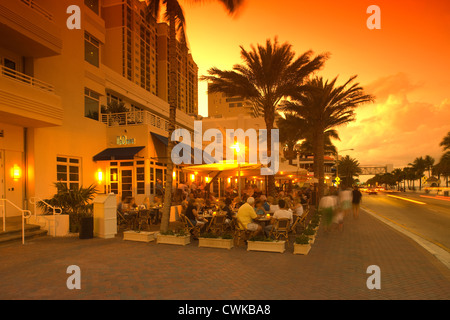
(216, 243)
(312, 239)
(176, 240)
(301, 248)
(269, 246)
(47, 222)
(143, 236)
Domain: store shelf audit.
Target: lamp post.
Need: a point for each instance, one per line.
(237, 148)
(337, 159)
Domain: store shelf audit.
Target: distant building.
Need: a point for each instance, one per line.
(222, 106)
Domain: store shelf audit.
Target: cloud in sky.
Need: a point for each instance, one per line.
(394, 129)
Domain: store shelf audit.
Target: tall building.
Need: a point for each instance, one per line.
(187, 73)
(58, 90)
(222, 106)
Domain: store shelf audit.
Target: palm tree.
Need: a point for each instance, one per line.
(323, 107)
(348, 168)
(269, 74)
(445, 143)
(419, 165)
(443, 167)
(429, 162)
(174, 15)
(398, 176)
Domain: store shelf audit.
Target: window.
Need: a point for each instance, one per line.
(91, 104)
(140, 180)
(68, 171)
(93, 5)
(91, 50)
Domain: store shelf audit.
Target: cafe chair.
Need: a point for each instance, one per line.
(125, 221)
(144, 220)
(217, 224)
(189, 227)
(299, 221)
(239, 234)
(281, 229)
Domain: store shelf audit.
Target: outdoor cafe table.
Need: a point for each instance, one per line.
(263, 221)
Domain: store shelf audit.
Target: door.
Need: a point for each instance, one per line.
(2, 181)
(127, 183)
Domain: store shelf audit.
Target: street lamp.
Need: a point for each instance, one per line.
(337, 159)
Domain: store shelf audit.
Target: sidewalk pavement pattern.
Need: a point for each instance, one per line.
(335, 268)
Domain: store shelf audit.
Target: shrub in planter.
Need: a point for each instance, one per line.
(212, 240)
(260, 243)
(302, 245)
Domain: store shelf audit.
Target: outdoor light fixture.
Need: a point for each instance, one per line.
(192, 177)
(114, 177)
(16, 172)
(99, 176)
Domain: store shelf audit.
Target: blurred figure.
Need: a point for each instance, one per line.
(356, 201)
(327, 207)
(345, 200)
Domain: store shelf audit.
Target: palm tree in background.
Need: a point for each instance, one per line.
(419, 165)
(445, 143)
(429, 162)
(174, 16)
(348, 168)
(268, 74)
(326, 106)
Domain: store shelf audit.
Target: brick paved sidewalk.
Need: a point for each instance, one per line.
(335, 268)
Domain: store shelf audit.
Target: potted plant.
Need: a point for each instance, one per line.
(260, 243)
(302, 244)
(212, 240)
(75, 202)
(179, 237)
(311, 233)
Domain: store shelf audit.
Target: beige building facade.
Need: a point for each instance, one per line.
(55, 86)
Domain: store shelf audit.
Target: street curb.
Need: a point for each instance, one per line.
(441, 254)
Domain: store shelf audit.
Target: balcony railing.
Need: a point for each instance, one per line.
(135, 118)
(25, 79)
(33, 5)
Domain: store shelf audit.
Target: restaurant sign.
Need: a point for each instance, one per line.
(123, 141)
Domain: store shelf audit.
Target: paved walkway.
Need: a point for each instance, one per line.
(335, 268)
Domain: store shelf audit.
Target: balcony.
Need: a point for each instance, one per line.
(28, 101)
(29, 29)
(156, 123)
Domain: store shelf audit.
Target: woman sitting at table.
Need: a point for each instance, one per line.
(259, 208)
(228, 211)
(297, 208)
(156, 201)
(192, 214)
(132, 204)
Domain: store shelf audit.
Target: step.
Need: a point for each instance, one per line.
(31, 231)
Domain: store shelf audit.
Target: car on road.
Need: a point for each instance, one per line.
(372, 191)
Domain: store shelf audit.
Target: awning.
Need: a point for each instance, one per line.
(117, 154)
(161, 138)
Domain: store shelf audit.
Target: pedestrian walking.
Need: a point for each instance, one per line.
(327, 207)
(356, 201)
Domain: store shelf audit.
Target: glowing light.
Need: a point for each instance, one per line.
(16, 172)
(99, 176)
(192, 177)
(236, 147)
(406, 199)
(114, 177)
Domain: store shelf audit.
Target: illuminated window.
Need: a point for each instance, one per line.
(68, 171)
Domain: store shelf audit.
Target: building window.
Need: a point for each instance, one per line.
(91, 50)
(91, 104)
(93, 5)
(68, 171)
(140, 180)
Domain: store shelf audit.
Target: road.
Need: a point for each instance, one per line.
(427, 217)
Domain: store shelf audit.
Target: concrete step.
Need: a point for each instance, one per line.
(12, 235)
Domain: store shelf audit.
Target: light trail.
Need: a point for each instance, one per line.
(406, 199)
(437, 197)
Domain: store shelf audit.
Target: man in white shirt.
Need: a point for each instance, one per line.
(281, 213)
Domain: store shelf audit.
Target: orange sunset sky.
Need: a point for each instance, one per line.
(405, 64)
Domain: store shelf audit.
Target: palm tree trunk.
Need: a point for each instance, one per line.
(271, 178)
(320, 169)
(173, 90)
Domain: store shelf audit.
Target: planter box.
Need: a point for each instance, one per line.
(216, 243)
(301, 248)
(169, 239)
(269, 246)
(47, 222)
(143, 236)
(312, 239)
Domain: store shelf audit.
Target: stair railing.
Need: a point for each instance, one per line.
(34, 201)
(25, 214)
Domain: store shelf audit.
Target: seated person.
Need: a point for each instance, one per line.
(266, 204)
(273, 205)
(281, 213)
(192, 214)
(297, 208)
(245, 216)
(227, 209)
(123, 205)
(259, 209)
(157, 201)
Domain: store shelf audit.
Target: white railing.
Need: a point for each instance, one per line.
(33, 5)
(56, 210)
(25, 79)
(135, 118)
(25, 214)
